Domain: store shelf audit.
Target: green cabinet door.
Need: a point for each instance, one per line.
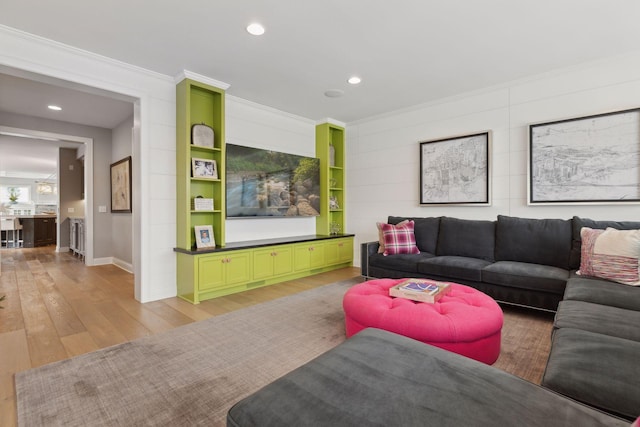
(339, 251)
(210, 272)
(282, 260)
(222, 270)
(345, 250)
(262, 263)
(309, 255)
(238, 267)
(272, 262)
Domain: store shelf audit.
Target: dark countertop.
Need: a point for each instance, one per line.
(252, 244)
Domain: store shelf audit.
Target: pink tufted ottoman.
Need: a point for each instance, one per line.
(464, 321)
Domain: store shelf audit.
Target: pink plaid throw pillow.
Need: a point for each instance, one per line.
(399, 239)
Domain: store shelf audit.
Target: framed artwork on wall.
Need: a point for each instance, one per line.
(456, 170)
(586, 160)
(121, 186)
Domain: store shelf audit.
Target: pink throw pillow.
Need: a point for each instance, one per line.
(611, 254)
(381, 236)
(399, 239)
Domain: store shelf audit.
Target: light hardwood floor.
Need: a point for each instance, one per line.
(57, 308)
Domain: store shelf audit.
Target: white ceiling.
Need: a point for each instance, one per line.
(407, 52)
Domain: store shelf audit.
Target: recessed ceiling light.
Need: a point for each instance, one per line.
(354, 80)
(255, 29)
(334, 93)
(54, 107)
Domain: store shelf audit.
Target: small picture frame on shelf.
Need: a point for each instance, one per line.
(204, 236)
(204, 168)
(201, 204)
(202, 135)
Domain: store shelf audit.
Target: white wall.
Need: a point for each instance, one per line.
(153, 154)
(383, 152)
(122, 223)
(254, 125)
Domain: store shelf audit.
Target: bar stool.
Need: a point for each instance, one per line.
(8, 225)
(17, 226)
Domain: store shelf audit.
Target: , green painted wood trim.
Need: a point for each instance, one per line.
(199, 103)
(327, 135)
(208, 276)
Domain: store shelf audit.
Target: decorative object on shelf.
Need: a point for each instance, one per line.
(333, 182)
(204, 236)
(121, 186)
(200, 203)
(204, 168)
(333, 203)
(202, 135)
(593, 159)
(334, 228)
(332, 155)
(456, 170)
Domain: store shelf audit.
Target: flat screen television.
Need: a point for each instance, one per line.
(264, 183)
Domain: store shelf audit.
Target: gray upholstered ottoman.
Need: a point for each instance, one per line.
(378, 378)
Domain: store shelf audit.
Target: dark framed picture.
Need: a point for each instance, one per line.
(456, 170)
(204, 168)
(586, 160)
(121, 186)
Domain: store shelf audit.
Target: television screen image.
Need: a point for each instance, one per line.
(264, 183)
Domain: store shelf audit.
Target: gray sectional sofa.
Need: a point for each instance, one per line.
(533, 262)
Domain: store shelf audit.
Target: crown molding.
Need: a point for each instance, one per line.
(32, 38)
(267, 108)
(331, 121)
(186, 74)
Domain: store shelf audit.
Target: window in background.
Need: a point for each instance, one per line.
(15, 194)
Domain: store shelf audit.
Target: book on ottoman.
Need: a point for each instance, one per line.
(423, 290)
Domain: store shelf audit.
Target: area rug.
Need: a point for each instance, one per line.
(190, 375)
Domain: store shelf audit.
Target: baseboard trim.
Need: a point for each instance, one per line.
(115, 261)
(128, 267)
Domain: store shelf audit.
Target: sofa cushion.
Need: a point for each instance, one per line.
(425, 229)
(378, 378)
(598, 291)
(596, 369)
(454, 267)
(399, 239)
(527, 276)
(611, 254)
(535, 241)
(466, 238)
(403, 262)
(381, 247)
(598, 318)
(577, 225)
